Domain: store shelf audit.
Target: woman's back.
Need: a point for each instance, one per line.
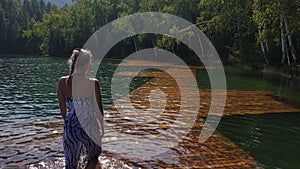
(81, 107)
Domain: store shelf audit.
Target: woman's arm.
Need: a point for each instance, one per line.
(60, 96)
(100, 106)
(98, 96)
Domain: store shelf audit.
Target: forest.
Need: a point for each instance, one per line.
(254, 32)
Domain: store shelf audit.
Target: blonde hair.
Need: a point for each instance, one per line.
(78, 59)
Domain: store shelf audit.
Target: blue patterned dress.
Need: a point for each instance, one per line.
(76, 140)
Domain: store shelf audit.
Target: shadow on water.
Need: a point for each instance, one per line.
(273, 139)
(285, 88)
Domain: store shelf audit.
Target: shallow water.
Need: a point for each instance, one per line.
(31, 127)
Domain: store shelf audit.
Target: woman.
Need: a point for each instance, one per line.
(80, 105)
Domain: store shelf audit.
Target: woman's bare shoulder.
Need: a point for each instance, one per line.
(94, 80)
(63, 79)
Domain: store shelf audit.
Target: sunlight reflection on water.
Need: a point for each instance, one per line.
(31, 126)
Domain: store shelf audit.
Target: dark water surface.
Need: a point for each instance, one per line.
(273, 139)
(30, 123)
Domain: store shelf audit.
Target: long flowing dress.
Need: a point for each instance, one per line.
(80, 132)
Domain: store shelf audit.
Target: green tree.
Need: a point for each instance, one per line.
(54, 32)
(230, 27)
(279, 27)
(17, 16)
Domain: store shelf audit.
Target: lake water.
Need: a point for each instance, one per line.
(31, 127)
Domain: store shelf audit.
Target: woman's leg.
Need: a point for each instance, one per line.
(93, 151)
(72, 148)
(91, 164)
